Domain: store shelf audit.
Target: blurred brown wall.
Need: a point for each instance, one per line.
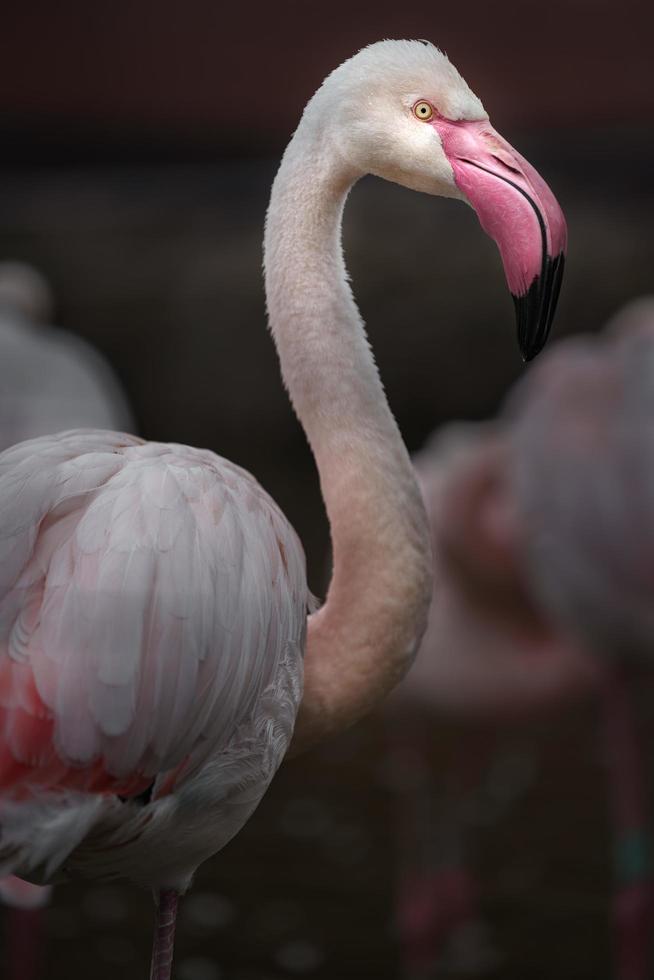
(241, 72)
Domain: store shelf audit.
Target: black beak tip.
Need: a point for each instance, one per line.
(529, 343)
(529, 355)
(535, 309)
(529, 350)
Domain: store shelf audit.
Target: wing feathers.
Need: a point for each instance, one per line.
(148, 595)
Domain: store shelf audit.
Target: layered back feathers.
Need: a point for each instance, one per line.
(148, 594)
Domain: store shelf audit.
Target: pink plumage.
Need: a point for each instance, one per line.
(152, 613)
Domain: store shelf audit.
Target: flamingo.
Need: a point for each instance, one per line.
(477, 664)
(156, 648)
(49, 380)
(563, 479)
(587, 559)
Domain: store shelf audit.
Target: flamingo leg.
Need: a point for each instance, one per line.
(24, 927)
(437, 891)
(633, 901)
(164, 935)
(25, 941)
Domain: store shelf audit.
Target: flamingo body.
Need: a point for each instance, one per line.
(51, 380)
(560, 489)
(152, 618)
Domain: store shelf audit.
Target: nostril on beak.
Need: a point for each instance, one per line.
(507, 166)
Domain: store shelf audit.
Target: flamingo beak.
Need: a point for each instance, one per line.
(518, 210)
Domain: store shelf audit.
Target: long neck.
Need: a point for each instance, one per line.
(362, 640)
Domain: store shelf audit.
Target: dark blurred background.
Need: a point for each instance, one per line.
(140, 141)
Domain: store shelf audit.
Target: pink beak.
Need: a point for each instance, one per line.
(518, 210)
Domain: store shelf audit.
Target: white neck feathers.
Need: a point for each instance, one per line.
(362, 640)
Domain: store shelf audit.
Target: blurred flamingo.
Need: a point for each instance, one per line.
(475, 665)
(588, 554)
(153, 597)
(488, 653)
(50, 380)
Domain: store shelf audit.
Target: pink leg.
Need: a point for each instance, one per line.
(633, 902)
(437, 892)
(25, 939)
(164, 935)
(24, 919)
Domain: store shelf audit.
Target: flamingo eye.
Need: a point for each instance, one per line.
(423, 111)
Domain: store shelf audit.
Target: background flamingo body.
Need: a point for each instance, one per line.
(575, 618)
(51, 380)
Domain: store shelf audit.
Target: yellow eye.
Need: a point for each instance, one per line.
(422, 110)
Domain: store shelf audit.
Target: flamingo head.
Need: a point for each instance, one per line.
(402, 111)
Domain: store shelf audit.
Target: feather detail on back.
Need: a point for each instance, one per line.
(150, 595)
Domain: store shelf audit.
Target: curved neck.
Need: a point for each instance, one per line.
(362, 640)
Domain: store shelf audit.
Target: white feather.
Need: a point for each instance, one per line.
(155, 611)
